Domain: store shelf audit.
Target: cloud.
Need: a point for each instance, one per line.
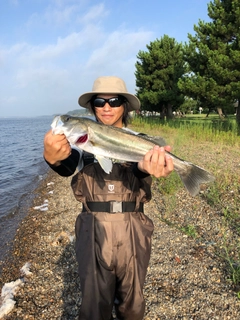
(95, 14)
(61, 15)
(118, 45)
(45, 53)
(47, 76)
(117, 54)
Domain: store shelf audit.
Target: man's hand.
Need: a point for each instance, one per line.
(157, 162)
(56, 148)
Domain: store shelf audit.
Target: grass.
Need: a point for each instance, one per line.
(210, 129)
(190, 231)
(215, 145)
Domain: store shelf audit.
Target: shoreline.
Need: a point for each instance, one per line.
(185, 280)
(15, 244)
(42, 239)
(13, 216)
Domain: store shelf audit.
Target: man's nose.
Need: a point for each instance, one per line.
(107, 106)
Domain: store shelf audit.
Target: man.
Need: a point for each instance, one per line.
(113, 235)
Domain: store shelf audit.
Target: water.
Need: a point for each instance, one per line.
(21, 168)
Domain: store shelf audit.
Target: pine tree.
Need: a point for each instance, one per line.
(213, 56)
(157, 73)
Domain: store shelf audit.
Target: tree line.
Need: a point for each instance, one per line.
(203, 72)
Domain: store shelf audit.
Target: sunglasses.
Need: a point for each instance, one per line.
(113, 102)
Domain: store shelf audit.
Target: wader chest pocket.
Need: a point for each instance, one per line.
(111, 187)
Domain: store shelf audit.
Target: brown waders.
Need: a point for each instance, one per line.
(113, 247)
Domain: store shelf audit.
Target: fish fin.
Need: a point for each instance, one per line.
(193, 176)
(159, 141)
(105, 163)
(156, 140)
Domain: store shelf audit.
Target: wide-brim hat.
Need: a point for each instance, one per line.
(109, 85)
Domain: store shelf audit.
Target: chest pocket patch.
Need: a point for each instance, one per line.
(111, 187)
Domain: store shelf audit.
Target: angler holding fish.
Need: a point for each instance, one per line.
(107, 143)
(113, 235)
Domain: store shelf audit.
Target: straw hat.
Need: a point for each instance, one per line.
(109, 85)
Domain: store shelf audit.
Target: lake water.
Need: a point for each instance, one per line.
(21, 168)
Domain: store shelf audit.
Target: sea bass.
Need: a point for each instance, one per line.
(107, 143)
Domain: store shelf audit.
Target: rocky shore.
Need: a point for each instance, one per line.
(186, 279)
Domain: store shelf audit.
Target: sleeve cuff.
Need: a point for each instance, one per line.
(138, 173)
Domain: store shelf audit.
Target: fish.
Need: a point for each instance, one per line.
(109, 143)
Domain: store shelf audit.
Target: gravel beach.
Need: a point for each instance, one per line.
(186, 279)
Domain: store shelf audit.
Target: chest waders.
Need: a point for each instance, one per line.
(113, 241)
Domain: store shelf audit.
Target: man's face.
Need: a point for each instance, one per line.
(109, 115)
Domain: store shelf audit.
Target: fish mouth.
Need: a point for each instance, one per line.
(56, 124)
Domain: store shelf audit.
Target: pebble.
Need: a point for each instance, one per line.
(186, 278)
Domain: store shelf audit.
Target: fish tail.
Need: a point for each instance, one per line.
(193, 176)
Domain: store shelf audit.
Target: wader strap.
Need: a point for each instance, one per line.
(112, 206)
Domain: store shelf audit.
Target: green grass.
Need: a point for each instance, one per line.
(216, 144)
(190, 231)
(196, 126)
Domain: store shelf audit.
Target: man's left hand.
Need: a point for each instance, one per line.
(157, 162)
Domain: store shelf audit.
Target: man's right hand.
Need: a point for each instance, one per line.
(56, 148)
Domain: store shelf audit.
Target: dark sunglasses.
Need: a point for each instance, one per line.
(113, 102)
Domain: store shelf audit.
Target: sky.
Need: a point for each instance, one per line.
(51, 51)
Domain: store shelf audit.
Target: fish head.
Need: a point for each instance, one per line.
(74, 128)
(56, 125)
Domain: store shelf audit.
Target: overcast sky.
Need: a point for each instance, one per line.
(52, 50)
